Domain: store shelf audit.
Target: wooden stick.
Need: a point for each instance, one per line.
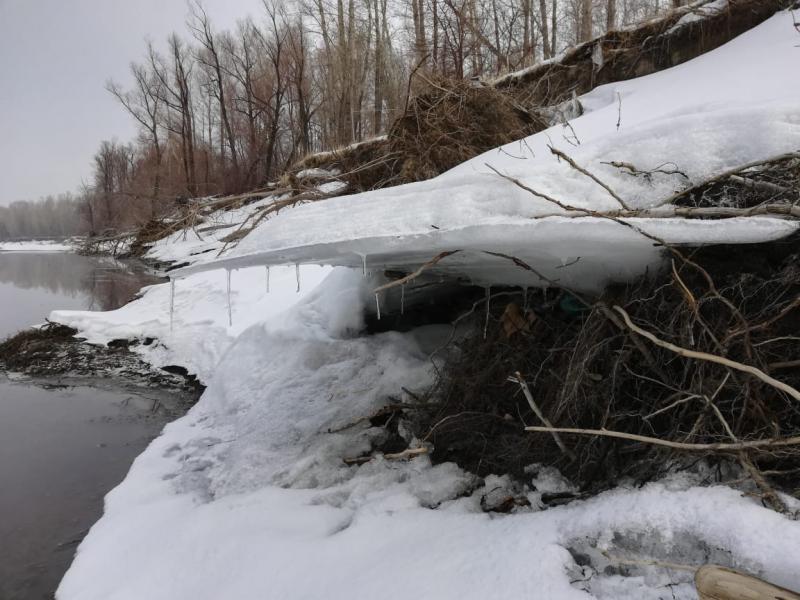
(720, 360)
(720, 583)
(407, 453)
(537, 411)
(715, 447)
(432, 262)
(575, 166)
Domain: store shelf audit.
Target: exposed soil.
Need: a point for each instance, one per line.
(53, 352)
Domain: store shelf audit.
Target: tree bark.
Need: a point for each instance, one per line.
(585, 21)
(611, 14)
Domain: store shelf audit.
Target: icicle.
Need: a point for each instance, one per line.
(364, 265)
(488, 298)
(378, 305)
(171, 303)
(230, 310)
(268, 280)
(403, 299)
(297, 275)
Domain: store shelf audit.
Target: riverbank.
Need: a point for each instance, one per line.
(73, 416)
(54, 354)
(296, 460)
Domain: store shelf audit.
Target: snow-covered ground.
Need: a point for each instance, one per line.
(248, 496)
(35, 246)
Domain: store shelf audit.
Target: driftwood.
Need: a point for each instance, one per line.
(720, 583)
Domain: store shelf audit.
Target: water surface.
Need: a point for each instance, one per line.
(63, 448)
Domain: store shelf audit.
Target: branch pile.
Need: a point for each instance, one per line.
(449, 121)
(699, 361)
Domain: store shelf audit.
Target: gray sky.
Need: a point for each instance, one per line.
(55, 57)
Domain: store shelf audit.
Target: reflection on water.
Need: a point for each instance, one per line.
(62, 450)
(32, 284)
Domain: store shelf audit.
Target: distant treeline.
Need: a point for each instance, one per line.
(50, 217)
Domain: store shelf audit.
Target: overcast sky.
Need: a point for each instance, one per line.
(55, 57)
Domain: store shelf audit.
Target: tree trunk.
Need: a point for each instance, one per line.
(585, 21)
(611, 14)
(543, 26)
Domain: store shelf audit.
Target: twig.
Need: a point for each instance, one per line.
(713, 447)
(728, 173)
(398, 282)
(518, 379)
(648, 563)
(721, 360)
(407, 453)
(583, 171)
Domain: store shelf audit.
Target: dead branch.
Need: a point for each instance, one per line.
(518, 379)
(712, 447)
(410, 277)
(685, 352)
(728, 173)
(405, 454)
(580, 169)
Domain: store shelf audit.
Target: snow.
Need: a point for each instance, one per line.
(248, 496)
(317, 173)
(701, 12)
(703, 116)
(35, 246)
(200, 333)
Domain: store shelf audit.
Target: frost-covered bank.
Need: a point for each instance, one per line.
(250, 495)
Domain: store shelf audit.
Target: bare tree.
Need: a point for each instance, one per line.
(209, 57)
(175, 80)
(143, 102)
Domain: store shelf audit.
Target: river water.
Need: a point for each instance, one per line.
(61, 448)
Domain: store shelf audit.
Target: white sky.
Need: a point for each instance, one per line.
(55, 57)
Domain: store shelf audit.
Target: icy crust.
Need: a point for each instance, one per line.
(701, 118)
(35, 246)
(248, 497)
(199, 333)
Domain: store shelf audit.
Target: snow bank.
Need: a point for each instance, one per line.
(248, 497)
(35, 246)
(703, 117)
(200, 332)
